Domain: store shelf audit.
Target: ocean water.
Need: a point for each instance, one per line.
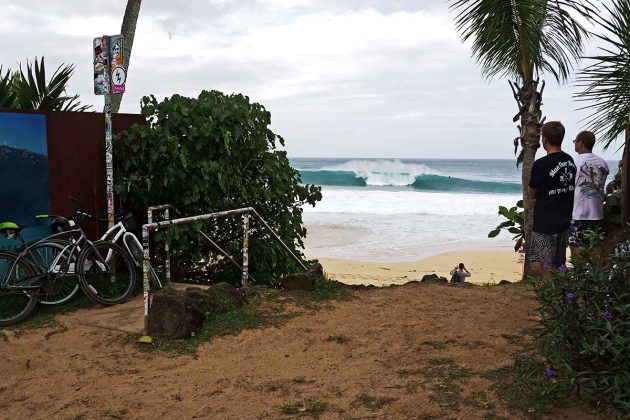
(406, 209)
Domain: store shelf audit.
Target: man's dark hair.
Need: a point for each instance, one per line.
(587, 138)
(553, 131)
(461, 266)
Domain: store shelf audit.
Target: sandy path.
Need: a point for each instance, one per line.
(408, 352)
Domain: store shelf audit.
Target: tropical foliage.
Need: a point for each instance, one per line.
(212, 153)
(606, 82)
(514, 224)
(524, 39)
(32, 90)
(583, 339)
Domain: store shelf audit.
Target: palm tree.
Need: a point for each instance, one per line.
(128, 31)
(31, 90)
(606, 82)
(522, 40)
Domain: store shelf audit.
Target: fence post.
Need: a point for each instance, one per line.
(145, 276)
(244, 282)
(167, 264)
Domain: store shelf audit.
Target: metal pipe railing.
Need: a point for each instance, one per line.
(246, 212)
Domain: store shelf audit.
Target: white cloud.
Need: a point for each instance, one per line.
(352, 78)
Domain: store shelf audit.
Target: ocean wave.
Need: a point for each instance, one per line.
(359, 205)
(421, 182)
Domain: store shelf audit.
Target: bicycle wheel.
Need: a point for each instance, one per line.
(135, 249)
(63, 286)
(106, 272)
(15, 305)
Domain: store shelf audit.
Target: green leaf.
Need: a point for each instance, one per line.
(494, 233)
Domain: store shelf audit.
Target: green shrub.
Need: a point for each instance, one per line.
(208, 154)
(514, 224)
(584, 335)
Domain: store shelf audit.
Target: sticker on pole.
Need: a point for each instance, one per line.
(101, 85)
(118, 74)
(118, 79)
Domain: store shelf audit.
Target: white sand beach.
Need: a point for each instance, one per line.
(486, 267)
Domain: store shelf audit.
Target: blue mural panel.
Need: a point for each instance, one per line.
(24, 191)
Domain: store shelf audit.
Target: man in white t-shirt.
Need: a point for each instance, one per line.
(590, 180)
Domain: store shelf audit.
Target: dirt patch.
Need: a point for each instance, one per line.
(406, 352)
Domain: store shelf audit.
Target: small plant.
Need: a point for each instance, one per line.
(514, 224)
(303, 409)
(372, 403)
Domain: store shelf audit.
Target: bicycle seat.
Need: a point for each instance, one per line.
(9, 229)
(61, 224)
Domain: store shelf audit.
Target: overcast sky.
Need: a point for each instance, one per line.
(345, 78)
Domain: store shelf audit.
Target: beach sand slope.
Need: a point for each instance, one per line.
(415, 351)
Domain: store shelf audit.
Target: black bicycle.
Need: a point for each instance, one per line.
(105, 271)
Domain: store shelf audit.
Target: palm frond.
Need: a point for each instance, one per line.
(606, 82)
(521, 38)
(7, 96)
(34, 92)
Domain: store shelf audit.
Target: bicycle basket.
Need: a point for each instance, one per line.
(128, 221)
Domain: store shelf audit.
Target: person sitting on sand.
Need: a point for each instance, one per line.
(459, 274)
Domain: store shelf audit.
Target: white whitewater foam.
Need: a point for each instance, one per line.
(375, 225)
(372, 201)
(384, 172)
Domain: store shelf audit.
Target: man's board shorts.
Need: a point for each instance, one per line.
(549, 249)
(577, 229)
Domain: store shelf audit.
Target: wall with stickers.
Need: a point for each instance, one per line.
(47, 156)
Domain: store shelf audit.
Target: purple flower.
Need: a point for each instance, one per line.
(569, 295)
(562, 268)
(549, 373)
(607, 314)
(546, 266)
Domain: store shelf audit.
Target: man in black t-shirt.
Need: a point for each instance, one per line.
(552, 184)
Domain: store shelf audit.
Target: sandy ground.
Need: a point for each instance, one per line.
(486, 267)
(410, 352)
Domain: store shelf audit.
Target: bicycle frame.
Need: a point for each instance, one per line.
(120, 232)
(74, 247)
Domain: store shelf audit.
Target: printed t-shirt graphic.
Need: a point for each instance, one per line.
(554, 177)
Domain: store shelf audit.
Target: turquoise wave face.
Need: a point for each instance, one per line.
(333, 178)
(443, 183)
(425, 182)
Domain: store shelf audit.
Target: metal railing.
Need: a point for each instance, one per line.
(246, 212)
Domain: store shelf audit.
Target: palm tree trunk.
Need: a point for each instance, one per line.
(530, 102)
(128, 30)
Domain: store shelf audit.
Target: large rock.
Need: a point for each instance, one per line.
(172, 315)
(177, 313)
(433, 279)
(217, 298)
(303, 281)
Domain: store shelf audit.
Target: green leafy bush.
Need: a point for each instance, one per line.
(584, 336)
(514, 224)
(208, 154)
